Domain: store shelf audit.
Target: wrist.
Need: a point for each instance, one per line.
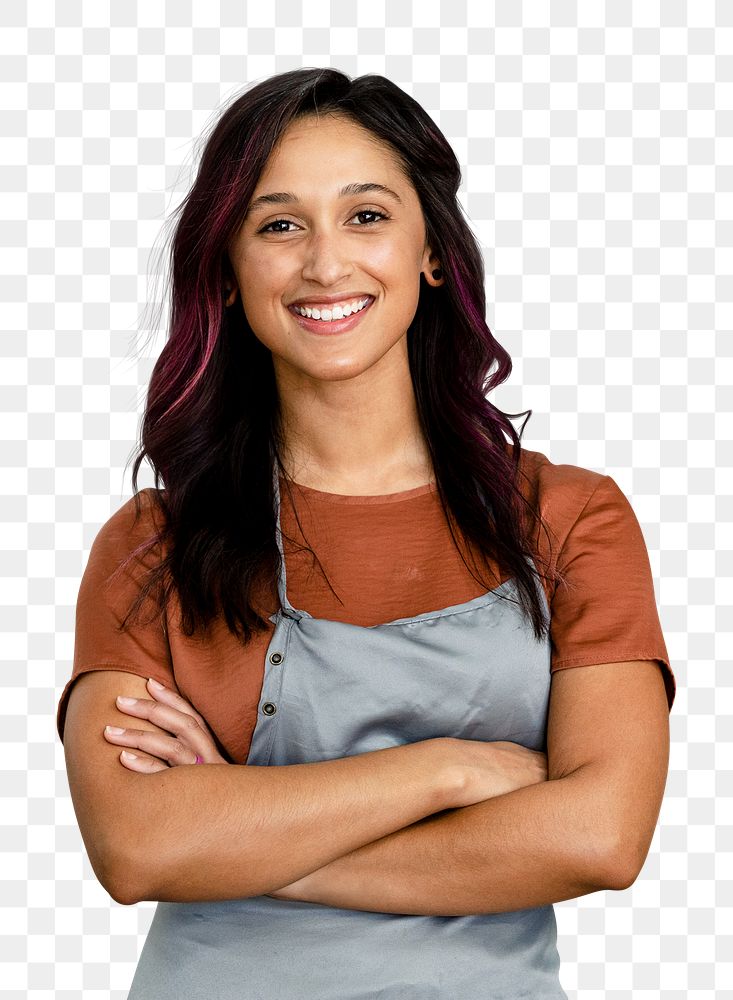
(450, 775)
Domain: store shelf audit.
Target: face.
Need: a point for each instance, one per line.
(323, 249)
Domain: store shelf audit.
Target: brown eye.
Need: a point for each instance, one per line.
(376, 217)
(275, 222)
(369, 211)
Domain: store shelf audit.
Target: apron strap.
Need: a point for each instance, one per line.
(286, 607)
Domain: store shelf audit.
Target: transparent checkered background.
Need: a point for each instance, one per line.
(596, 146)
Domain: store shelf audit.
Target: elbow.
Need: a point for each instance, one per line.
(112, 872)
(605, 862)
(132, 866)
(623, 865)
(123, 876)
(115, 879)
(623, 877)
(122, 893)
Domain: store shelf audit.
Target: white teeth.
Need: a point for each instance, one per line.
(336, 312)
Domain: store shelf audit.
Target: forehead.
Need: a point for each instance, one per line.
(329, 145)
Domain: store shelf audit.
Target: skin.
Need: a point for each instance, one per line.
(347, 401)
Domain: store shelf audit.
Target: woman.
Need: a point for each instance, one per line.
(368, 592)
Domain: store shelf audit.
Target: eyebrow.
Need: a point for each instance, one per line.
(287, 197)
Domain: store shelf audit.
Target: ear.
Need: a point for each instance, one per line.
(229, 282)
(230, 295)
(430, 264)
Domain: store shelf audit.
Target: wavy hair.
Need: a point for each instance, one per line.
(211, 423)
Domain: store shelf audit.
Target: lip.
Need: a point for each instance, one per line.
(328, 300)
(322, 329)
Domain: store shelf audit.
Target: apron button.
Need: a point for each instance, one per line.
(268, 708)
(276, 658)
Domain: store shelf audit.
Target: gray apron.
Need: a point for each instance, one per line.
(332, 689)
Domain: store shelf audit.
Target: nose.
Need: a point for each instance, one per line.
(326, 259)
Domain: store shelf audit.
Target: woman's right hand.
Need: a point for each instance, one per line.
(493, 768)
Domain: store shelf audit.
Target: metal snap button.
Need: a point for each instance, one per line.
(268, 708)
(276, 658)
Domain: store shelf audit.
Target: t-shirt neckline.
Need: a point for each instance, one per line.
(348, 498)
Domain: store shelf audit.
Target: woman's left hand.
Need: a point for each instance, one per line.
(170, 711)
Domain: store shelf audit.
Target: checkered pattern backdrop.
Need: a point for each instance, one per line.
(596, 146)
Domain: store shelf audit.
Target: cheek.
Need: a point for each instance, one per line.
(261, 285)
(389, 259)
(401, 276)
(396, 263)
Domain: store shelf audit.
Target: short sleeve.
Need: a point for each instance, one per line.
(106, 592)
(605, 610)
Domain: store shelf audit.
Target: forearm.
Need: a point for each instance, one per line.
(536, 845)
(227, 832)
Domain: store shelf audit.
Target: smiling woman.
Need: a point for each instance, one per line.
(323, 256)
(437, 653)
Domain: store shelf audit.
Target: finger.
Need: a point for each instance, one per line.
(164, 716)
(141, 763)
(169, 697)
(165, 748)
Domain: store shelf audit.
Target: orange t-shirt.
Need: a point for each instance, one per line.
(386, 557)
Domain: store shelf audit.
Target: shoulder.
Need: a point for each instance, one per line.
(589, 531)
(128, 532)
(560, 492)
(127, 518)
(555, 483)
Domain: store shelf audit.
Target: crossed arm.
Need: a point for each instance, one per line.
(587, 828)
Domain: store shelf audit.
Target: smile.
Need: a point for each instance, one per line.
(333, 318)
(332, 311)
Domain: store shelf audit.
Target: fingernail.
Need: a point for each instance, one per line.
(155, 684)
(128, 755)
(114, 730)
(126, 701)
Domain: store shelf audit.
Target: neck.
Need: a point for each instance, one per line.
(359, 435)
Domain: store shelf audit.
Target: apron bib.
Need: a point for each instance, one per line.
(332, 689)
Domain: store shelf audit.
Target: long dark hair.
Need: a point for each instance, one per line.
(211, 428)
